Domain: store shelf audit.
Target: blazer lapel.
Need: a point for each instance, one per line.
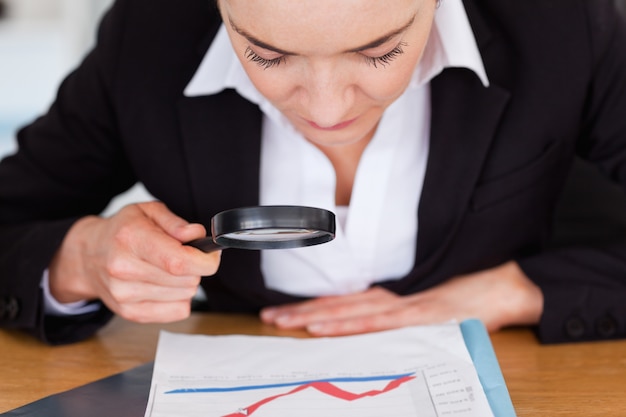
(221, 141)
(465, 116)
(222, 145)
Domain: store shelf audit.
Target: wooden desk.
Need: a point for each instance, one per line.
(586, 379)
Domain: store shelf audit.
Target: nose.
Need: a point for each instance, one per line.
(328, 93)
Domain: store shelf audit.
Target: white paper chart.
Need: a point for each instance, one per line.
(421, 371)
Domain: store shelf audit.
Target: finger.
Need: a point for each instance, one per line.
(180, 260)
(272, 315)
(130, 292)
(137, 285)
(155, 312)
(355, 325)
(406, 311)
(173, 225)
(297, 314)
(372, 301)
(182, 231)
(322, 302)
(127, 268)
(123, 297)
(150, 243)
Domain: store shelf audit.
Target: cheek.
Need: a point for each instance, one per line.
(385, 84)
(391, 81)
(275, 85)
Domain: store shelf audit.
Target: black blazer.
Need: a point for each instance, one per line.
(499, 158)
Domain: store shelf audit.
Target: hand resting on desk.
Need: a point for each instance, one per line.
(134, 262)
(500, 296)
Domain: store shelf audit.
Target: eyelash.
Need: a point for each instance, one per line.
(382, 60)
(263, 62)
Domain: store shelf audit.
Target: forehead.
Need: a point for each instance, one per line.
(311, 26)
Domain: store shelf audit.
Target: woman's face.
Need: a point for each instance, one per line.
(330, 66)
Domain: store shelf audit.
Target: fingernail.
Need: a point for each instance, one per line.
(315, 328)
(268, 314)
(283, 319)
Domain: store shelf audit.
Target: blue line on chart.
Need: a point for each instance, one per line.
(288, 384)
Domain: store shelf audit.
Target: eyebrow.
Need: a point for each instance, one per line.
(373, 44)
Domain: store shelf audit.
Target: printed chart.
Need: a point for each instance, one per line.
(359, 396)
(389, 374)
(398, 395)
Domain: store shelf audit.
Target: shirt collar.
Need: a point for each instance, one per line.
(451, 44)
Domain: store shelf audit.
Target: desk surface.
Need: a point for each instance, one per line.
(585, 379)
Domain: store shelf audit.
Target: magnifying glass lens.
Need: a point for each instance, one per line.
(274, 235)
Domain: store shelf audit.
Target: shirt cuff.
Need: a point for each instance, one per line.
(55, 308)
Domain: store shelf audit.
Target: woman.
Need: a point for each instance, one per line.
(441, 135)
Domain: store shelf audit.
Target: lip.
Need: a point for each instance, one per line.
(338, 126)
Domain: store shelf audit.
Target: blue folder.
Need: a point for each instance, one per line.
(487, 366)
(126, 394)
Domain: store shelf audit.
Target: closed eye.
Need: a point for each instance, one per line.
(385, 59)
(265, 63)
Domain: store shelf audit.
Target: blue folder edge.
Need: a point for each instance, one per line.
(486, 363)
(126, 394)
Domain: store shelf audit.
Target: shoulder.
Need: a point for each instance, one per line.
(539, 10)
(537, 19)
(165, 13)
(159, 23)
(154, 43)
(558, 36)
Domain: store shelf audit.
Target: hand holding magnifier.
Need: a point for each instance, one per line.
(268, 227)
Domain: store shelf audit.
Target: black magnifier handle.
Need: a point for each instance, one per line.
(206, 244)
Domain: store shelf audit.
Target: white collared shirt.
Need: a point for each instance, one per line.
(377, 233)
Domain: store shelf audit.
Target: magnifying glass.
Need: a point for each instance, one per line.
(268, 227)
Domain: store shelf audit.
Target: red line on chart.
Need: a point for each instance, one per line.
(326, 388)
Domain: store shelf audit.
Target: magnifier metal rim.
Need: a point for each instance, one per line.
(321, 222)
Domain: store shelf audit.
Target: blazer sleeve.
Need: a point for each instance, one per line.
(41, 194)
(582, 273)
